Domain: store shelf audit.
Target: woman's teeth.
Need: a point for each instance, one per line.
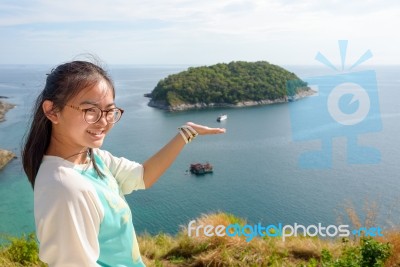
(95, 133)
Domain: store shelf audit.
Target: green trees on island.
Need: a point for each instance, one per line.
(228, 84)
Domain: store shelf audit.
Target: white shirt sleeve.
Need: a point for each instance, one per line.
(68, 214)
(129, 174)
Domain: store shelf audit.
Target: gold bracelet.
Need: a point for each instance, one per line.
(188, 133)
(183, 136)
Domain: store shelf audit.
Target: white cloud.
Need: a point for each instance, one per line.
(179, 31)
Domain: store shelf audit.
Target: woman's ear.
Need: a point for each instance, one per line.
(49, 111)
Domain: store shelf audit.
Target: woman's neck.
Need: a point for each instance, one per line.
(76, 155)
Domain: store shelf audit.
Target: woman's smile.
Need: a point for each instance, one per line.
(98, 134)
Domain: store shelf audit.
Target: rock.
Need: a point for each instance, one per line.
(4, 107)
(5, 157)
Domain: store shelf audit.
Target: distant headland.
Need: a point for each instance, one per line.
(4, 107)
(5, 156)
(236, 84)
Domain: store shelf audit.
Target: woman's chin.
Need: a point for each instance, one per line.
(96, 144)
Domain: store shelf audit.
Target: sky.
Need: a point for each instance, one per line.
(201, 32)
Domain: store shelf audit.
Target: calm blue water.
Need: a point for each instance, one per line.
(256, 175)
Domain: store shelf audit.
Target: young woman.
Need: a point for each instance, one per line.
(82, 218)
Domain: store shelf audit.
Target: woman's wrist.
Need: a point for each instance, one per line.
(188, 133)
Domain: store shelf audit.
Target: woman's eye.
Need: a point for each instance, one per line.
(91, 110)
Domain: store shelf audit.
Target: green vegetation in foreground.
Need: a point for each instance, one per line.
(182, 250)
(231, 83)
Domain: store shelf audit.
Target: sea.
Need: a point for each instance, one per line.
(258, 175)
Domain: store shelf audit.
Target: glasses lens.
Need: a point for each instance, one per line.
(113, 115)
(92, 115)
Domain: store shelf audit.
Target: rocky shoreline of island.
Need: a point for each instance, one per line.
(186, 106)
(4, 107)
(5, 155)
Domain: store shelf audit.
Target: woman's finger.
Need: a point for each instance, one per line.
(202, 130)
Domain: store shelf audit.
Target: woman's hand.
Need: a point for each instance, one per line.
(203, 130)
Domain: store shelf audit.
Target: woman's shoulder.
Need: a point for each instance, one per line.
(109, 158)
(60, 188)
(59, 175)
(103, 154)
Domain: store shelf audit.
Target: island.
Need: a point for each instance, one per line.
(234, 84)
(5, 156)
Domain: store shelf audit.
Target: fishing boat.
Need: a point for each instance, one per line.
(199, 168)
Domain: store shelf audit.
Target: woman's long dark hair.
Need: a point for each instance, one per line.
(63, 83)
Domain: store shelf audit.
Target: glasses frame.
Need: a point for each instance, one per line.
(84, 110)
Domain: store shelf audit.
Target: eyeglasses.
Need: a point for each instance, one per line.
(94, 114)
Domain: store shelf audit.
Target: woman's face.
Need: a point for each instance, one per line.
(72, 128)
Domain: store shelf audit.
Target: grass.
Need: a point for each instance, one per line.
(183, 250)
(20, 251)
